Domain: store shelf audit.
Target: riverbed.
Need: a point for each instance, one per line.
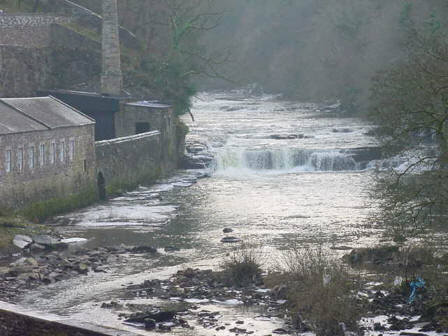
(285, 175)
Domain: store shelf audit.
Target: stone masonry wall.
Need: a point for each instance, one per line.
(25, 36)
(126, 162)
(30, 20)
(50, 180)
(69, 59)
(16, 321)
(159, 119)
(23, 70)
(28, 30)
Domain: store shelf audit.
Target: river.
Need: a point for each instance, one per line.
(285, 173)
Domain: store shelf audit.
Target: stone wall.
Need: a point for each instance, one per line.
(23, 70)
(50, 180)
(159, 117)
(30, 20)
(28, 30)
(87, 18)
(30, 37)
(17, 321)
(128, 161)
(68, 58)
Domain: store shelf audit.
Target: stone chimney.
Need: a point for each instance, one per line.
(111, 77)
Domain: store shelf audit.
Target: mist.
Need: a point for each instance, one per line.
(315, 50)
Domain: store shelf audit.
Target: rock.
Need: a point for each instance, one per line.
(74, 240)
(238, 331)
(405, 333)
(37, 247)
(100, 269)
(190, 161)
(143, 249)
(22, 241)
(28, 276)
(227, 230)
(230, 239)
(397, 324)
(342, 130)
(279, 331)
(378, 327)
(239, 322)
(25, 262)
(171, 249)
(111, 305)
(49, 242)
(150, 324)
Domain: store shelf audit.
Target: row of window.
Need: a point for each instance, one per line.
(57, 151)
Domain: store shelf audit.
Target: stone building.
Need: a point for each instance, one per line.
(47, 150)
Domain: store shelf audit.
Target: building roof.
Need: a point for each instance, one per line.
(19, 115)
(150, 103)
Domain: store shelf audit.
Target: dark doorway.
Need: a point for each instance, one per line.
(101, 186)
(142, 127)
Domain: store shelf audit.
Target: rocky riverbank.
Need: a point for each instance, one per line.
(43, 259)
(199, 298)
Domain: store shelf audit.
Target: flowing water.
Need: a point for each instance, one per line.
(285, 173)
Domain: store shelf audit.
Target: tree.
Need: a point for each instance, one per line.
(172, 53)
(410, 105)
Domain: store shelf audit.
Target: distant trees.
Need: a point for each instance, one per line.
(410, 105)
(172, 53)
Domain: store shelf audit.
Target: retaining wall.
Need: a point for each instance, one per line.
(18, 321)
(128, 161)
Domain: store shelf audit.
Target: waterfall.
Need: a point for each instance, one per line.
(285, 159)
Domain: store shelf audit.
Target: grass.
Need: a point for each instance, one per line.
(11, 224)
(40, 211)
(84, 31)
(242, 267)
(321, 293)
(15, 6)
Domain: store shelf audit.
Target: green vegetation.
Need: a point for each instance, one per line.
(320, 292)
(242, 267)
(167, 71)
(15, 6)
(11, 224)
(410, 104)
(40, 211)
(84, 31)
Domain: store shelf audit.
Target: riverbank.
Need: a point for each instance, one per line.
(291, 301)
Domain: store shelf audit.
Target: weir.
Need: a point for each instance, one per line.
(295, 159)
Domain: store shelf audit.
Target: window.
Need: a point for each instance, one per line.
(20, 159)
(53, 153)
(41, 155)
(62, 151)
(31, 157)
(8, 162)
(142, 127)
(71, 152)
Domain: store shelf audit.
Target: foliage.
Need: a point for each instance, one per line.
(410, 104)
(168, 69)
(39, 211)
(242, 266)
(321, 292)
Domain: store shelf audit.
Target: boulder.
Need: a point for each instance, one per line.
(143, 249)
(230, 240)
(22, 241)
(49, 242)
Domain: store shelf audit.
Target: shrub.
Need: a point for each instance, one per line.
(242, 267)
(321, 293)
